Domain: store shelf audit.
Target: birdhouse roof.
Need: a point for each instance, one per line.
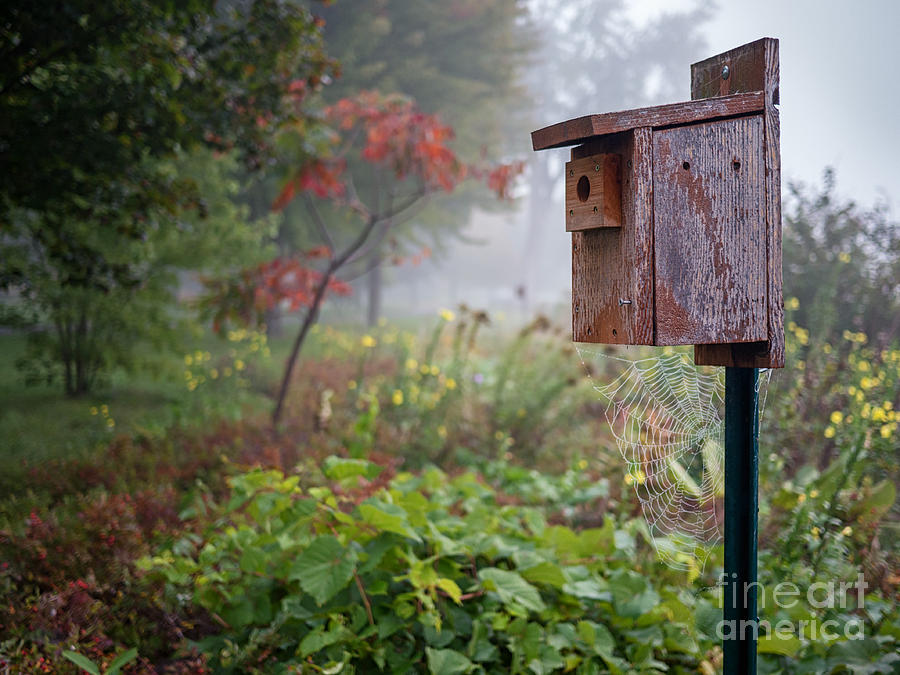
(581, 129)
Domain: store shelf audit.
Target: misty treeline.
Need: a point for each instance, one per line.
(144, 144)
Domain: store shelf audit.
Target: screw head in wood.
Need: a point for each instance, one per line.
(726, 71)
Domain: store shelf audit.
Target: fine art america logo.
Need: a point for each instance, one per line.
(787, 595)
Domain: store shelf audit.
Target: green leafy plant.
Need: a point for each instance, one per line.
(114, 668)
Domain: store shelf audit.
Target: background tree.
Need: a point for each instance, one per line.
(459, 58)
(405, 155)
(95, 102)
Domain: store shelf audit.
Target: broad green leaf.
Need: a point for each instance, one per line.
(324, 568)
(82, 662)
(387, 517)
(121, 661)
(632, 593)
(254, 560)
(339, 468)
(447, 662)
(545, 573)
(776, 644)
(597, 637)
(321, 638)
(450, 588)
(512, 588)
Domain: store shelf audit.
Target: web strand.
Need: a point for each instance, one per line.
(667, 417)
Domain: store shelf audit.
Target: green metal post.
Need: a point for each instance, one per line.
(741, 505)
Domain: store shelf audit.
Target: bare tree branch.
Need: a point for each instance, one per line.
(319, 223)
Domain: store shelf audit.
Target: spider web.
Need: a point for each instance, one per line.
(667, 416)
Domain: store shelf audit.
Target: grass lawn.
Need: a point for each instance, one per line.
(38, 423)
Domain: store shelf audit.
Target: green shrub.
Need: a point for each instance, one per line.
(427, 574)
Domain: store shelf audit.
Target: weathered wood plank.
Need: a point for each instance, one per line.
(594, 192)
(710, 233)
(581, 129)
(753, 67)
(610, 265)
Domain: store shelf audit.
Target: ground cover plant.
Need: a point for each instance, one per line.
(448, 501)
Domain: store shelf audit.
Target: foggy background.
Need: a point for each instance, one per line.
(839, 103)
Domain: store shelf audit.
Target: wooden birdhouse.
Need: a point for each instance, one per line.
(675, 216)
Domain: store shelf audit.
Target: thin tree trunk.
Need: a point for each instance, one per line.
(308, 321)
(375, 282)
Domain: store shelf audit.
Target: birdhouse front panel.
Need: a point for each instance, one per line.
(710, 233)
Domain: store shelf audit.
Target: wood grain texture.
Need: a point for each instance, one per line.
(753, 67)
(613, 264)
(710, 233)
(582, 129)
(594, 192)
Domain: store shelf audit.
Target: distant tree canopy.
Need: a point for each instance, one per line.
(459, 59)
(121, 128)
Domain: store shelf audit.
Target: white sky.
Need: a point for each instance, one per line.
(840, 84)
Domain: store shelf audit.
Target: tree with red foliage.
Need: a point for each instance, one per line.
(409, 153)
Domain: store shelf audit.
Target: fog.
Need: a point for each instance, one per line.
(839, 104)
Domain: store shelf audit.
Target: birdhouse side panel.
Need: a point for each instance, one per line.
(710, 233)
(612, 267)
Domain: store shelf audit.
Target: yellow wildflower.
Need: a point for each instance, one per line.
(816, 532)
(792, 303)
(214, 374)
(844, 257)
(367, 341)
(424, 369)
(887, 430)
(801, 499)
(93, 410)
(442, 431)
(397, 397)
(450, 383)
(582, 464)
(447, 315)
(104, 409)
(227, 371)
(878, 415)
(411, 364)
(888, 405)
(837, 417)
(498, 435)
(862, 366)
(639, 477)
(110, 422)
(239, 365)
(351, 384)
(826, 348)
(435, 370)
(829, 432)
(813, 494)
(847, 531)
(188, 359)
